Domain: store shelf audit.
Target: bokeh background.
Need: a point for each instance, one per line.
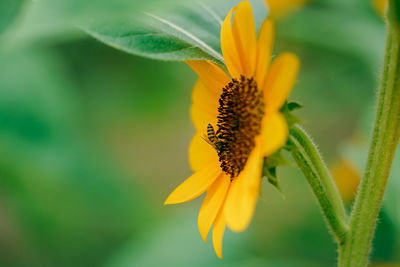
(92, 140)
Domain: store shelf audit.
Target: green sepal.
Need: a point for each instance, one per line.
(291, 119)
(277, 159)
(287, 110)
(289, 145)
(269, 169)
(294, 105)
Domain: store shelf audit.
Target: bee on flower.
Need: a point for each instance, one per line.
(238, 121)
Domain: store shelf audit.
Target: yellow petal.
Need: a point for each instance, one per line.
(264, 50)
(243, 193)
(245, 36)
(228, 47)
(195, 185)
(280, 80)
(274, 132)
(201, 117)
(205, 98)
(210, 75)
(212, 204)
(218, 232)
(201, 153)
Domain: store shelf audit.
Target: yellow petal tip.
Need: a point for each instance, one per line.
(293, 58)
(219, 255)
(171, 200)
(235, 227)
(203, 232)
(167, 202)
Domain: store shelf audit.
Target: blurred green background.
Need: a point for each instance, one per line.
(92, 140)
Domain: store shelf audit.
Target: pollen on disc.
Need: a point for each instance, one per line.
(240, 112)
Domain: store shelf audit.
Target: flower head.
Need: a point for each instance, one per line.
(238, 122)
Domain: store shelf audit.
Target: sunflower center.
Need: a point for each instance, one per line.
(240, 112)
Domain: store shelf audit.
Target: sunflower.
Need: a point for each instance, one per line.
(238, 122)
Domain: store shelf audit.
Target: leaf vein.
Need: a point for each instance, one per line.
(191, 36)
(211, 12)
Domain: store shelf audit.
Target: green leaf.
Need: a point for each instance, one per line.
(147, 43)
(188, 31)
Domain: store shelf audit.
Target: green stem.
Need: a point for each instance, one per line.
(357, 246)
(311, 164)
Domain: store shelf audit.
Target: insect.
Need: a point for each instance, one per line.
(211, 137)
